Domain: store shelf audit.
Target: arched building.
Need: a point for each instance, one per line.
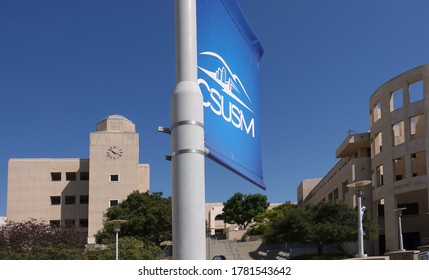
(393, 155)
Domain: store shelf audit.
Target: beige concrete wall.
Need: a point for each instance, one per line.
(30, 188)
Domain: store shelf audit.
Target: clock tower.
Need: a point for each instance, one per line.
(114, 168)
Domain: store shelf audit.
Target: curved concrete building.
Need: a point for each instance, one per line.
(399, 112)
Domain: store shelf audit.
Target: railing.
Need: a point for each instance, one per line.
(232, 248)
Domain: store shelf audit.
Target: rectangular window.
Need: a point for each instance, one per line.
(417, 127)
(378, 141)
(55, 200)
(399, 168)
(70, 199)
(376, 112)
(113, 202)
(379, 176)
(70, 176)
(55, 223)
(412, 208)
(83, 223)
(416, 91)
(56, 176)
(69, 222)
(114, 178)
(418, 164)
(84, 176)
(396, 100)
(398, 133)
(84, 199)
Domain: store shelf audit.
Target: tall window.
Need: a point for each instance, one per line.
(398, 133)
(399, 168)
(417, 127)
(396, 100)
(416, 91)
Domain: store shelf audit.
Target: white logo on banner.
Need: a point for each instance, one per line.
(230, 84)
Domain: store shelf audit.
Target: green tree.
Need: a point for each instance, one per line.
(148, 217)
(241, 209)
(34, 239)
(130, 248)
(321, 224)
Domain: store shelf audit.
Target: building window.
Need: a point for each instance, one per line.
(113, 202)
(83, 199)
(418, 164)
(412, 208)
(114, 178)
(376, 112)
(70, 176)
(83, 223)
(398, 133)
(69, 222)
(55, 223)
(399, 169)
(417, 127)
(70, 199)
(416, 91)
(379, 176)
(56, 176)
(335, 194)
(396, 100)
(219, 217)
(378, 141)
(55, 200)
(84, 176)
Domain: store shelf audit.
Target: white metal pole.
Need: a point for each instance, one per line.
(187, 142)
(401, 241)
(360, 228)
(117, 245)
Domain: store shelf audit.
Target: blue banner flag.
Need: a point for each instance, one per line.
(228, 75)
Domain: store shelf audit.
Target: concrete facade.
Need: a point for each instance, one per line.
(392, 155)
(77, 191)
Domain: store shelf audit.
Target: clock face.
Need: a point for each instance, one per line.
(114, 152)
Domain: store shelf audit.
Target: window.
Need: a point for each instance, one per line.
(379, 176)
(399, 168)
(69, 199)
(114, 178)
(412, 208)
(378, 148)
(335, 194)
(398, 133)
(418, 164)
(83, 223)
(56, 176)
(396, 100)
(417, 127)
(219, 217)
(55, 223)
(376, 112)
(69, 222)
(113, 202)
(55, 200)
(416, 91)
(83, 199)
(84, 176)
(70, 176)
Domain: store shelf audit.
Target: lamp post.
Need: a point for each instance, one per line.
(358, 186)
(401, 240)
(117, 228)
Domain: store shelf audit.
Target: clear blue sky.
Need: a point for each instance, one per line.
(65, 65)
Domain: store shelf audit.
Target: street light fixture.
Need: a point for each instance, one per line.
(358, 186)
(401, 240)
(117, 228)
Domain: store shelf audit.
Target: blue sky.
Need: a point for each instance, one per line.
(65, 65)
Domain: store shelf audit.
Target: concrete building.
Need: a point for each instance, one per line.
(393, 157)
(77, 191)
